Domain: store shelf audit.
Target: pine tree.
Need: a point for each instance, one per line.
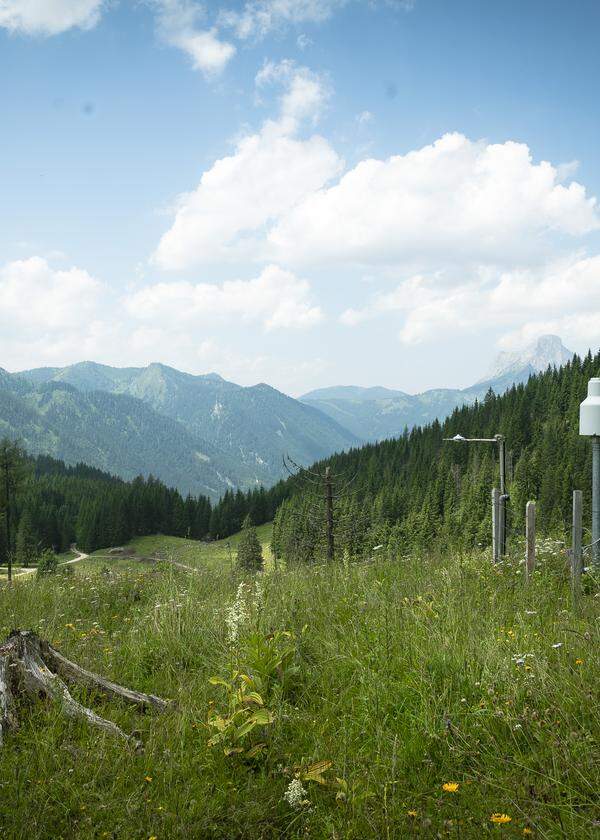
(26, 547)
(249, 554)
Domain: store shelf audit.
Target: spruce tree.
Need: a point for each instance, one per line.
(249, 554)
(26, 547)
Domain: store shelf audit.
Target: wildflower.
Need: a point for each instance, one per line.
(237, 614)
(579, 661)
(258, 596)
(413, 813)
(450, 787)
(500, 819)
(527, 831)
(295, 794)
(147, 778)
(557, 645)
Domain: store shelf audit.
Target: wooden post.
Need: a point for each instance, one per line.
(329, 514)
(576, 553)
(529, 539)
(495, 524)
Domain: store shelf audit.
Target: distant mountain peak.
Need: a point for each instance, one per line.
(534, 358)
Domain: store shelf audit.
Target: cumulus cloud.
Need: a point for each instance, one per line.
(258, 18)
(177, 22)
(51, 313)
(70, 315)
(276, 298)
(269, 172)
(455, 201)
(561, 297)
(49, 17)
(54, 299)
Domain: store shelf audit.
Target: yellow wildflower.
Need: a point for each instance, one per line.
(148, 778)
(413, 813)
(527, 831)
(579, 661)
(500, 819)
(450, 787)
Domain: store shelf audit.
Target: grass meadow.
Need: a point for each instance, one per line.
(424, 696)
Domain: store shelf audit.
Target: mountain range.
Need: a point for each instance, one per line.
(378, 413)
(198, 433)
(205, 435)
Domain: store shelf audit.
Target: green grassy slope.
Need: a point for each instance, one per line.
(410, 673)
(217, 554)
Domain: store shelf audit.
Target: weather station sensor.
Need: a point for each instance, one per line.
(589, 425)
(589, 410)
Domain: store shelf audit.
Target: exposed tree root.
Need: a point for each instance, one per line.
(31, 667)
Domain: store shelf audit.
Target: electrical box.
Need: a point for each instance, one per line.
(589, 411)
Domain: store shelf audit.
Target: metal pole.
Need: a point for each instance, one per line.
(530, 539)
(502, 456)
(576, 553)
(596, 500)
(495, 524)
(502, 510)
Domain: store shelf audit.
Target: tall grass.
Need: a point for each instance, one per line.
(412, 673)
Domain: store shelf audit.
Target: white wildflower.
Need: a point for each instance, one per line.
(557, 645)
(295, 794)
(236, 615)
(258, 596)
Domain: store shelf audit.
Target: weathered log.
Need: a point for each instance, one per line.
(31, 667)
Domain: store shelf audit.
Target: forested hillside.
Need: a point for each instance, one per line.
(411, 491)
(240, 433)
(56, 505)
(403, 493)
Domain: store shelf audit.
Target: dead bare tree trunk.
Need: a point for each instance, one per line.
(31, 667)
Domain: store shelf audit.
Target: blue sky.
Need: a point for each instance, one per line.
(374, 208)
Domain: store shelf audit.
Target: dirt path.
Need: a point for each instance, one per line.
(24, 572)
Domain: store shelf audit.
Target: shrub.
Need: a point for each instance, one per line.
(48, 563)
(249, 554)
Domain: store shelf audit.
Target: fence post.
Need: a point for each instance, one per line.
(576, 553)
(530, 539)
(495, 524)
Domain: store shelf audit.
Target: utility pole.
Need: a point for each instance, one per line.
(329, 514)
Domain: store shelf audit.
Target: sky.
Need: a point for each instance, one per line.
(298, 192)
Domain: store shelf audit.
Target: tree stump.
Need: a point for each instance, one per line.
(31, 667)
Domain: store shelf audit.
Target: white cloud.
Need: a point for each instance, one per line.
(364, 117)
(260, 17)
(33, 295)
(177, 22)
(562, 297)
(303, 41)
(266, 176)
(49, 17)
(51, 316)
(276, 298)
(454, 202)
